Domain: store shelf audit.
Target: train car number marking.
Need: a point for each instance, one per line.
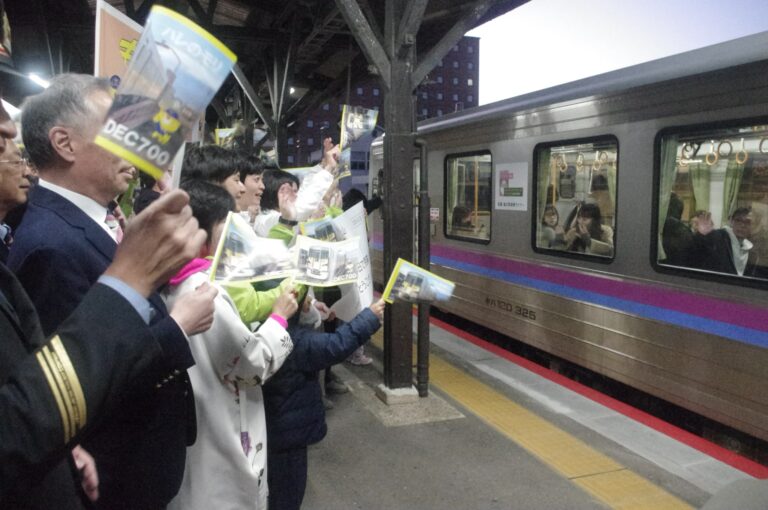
(512, 308)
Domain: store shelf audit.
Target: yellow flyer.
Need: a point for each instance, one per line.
(174, 72)
(413, 284)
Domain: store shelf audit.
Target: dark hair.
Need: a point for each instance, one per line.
(208, 163)
(210, 203)
(548, 208)
(593, 211)
(248, 164)
(460, 216)
(352, 197)
(273, 180)
(676, 206)
(146, 180)
(741, 211)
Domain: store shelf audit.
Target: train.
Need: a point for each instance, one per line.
(619, 222)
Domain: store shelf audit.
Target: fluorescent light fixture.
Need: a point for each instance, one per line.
(12, 110)
(292, 90)
(35, 78)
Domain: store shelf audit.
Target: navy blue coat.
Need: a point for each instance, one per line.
(293, 397)
(58, 254)
(103, 359)
(51, 485)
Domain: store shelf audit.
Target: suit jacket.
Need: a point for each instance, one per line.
(713, 252)
(59, 396)
(58, 254)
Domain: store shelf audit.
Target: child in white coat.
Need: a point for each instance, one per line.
(226, 466)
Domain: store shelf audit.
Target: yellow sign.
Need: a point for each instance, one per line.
(116, 39)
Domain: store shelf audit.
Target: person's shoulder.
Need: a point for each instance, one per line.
(41, 222)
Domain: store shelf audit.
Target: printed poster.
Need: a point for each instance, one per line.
(358, 295)
(116, 38)
(176, 69)
(511, 186)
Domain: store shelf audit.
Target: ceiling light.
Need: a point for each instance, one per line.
(35, 78)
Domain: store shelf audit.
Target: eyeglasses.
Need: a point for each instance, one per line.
(22, 161)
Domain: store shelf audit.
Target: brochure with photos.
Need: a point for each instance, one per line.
(413, 284)
(241, 255)
(174, 72)
(326, 264)
(323, 229)
(356, 122)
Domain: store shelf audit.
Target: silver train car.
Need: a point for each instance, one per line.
(619, 222)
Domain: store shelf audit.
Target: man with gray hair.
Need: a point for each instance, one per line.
(64, 243)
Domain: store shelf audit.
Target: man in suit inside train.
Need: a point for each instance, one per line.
(104, 350)
(727, 249)
(64, 243)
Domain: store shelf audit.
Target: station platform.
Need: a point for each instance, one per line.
(500, 432)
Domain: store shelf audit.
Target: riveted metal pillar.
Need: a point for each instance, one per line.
(398, 185)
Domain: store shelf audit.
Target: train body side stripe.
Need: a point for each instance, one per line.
(740, 322)
(713, 327)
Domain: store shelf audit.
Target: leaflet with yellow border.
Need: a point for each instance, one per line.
(174, 72)
(412, 284)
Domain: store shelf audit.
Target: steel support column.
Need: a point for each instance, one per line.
(398, 188)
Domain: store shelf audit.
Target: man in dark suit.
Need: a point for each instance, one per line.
(727, 249)
(62, 246)
(55, 392)
(21, 331)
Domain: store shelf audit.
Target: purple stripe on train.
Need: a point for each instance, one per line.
(740, 322)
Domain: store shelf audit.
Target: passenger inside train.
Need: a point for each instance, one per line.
(553, 234)
(727, 249)
(677, 237)
(587, 234)
(462, 217)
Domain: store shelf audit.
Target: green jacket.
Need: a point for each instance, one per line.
(252, 305)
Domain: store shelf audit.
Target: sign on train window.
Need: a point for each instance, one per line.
(712, 200)
(468, 196)
(576, 197)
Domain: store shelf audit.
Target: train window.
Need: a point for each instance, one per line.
(712, 200)
(468, 197)
(576, 197)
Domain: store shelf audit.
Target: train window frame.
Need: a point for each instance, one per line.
(482, 152)
(687, 130)
(535, 217)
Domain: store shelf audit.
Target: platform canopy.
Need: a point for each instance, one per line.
(307, 45)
